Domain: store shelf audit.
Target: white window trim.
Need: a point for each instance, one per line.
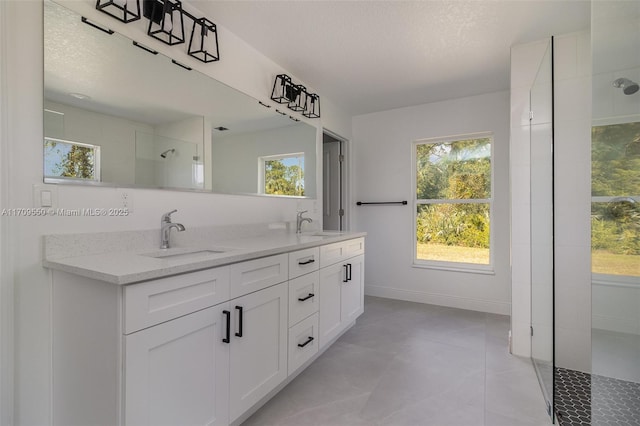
(444, 265)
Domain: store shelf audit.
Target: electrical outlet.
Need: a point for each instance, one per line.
(125, 200)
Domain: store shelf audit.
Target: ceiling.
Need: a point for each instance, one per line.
(371, 56)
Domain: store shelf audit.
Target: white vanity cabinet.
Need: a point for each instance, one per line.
(198, 348)
(341, 287)
(258, 347)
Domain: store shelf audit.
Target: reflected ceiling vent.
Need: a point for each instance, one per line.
(628, 87)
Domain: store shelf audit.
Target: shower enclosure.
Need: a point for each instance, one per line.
(585, 220)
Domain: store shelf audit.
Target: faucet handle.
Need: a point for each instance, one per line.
(166, 218)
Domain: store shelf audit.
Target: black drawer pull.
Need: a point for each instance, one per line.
(306, 262)
(309, 340)
(302, 299)
(240, 312)
(346, 273)
(228, 327)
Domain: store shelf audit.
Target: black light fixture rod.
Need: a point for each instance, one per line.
(181, 65)
(96, 26)
(145, 48)
(361, 203)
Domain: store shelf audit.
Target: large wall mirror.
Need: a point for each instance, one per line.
(116, 114)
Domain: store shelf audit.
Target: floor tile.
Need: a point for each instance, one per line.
(412, 364)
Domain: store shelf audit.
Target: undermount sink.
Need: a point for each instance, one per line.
(182, 253)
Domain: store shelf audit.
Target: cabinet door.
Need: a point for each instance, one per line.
(331, 281)
(258, 346)
(353, 290)
(177, 373)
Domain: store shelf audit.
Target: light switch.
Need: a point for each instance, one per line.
(46, 200)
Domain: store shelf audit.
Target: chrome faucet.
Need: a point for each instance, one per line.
(165, 229)
(300, 219)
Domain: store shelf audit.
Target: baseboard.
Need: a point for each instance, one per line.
(620, 325)
(501, 308)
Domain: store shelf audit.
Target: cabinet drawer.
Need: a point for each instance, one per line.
(254, 275)
(303, 297)
(303, 342)
(337, 252)
(303, 261)
(153, 302)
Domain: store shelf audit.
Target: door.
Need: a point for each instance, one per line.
(332, 184)
(352, 291)
(331, 280)
(177, 372)
(258, 346)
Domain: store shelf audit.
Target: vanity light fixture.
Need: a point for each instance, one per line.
(123, 10)
(312, 106)
(166, 22)
(298, 99)
(203, 44)
(283, 89)
(295, 96)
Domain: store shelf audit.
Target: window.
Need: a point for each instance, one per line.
(615, 199)
(282, 174)
(453, 204)
(71, 160)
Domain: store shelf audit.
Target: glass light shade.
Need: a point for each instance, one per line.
(203, 44)
(123, 10)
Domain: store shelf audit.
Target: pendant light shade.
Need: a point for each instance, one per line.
(312, 106)
(203, 44)
(283, 90)
(298, 98)
(165, 20)
(123, 10)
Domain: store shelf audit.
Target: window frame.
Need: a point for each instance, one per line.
(631, 281)
(262, 169)
(487, 269)
(97, 170)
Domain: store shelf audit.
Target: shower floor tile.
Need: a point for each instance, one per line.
(590, 399)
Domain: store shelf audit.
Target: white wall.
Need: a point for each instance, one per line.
(572, 182)
(382, 145)
(241, 67)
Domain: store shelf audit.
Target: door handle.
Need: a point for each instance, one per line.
(349, 269)
(240, 315)
(346, 273)
(228, 327)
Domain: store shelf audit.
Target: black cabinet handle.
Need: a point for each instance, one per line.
(346, 273)
(240, 315)
(309, 340)
(306, 298)
(306, 262)
(228, 327)
(349, 269)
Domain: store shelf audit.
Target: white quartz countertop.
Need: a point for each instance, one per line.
(134, 264)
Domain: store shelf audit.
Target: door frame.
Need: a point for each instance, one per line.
(345, 149)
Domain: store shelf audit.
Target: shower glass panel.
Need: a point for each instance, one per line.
(541, 196)
(615, 213)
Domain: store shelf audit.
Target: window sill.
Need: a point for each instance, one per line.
(479, 269)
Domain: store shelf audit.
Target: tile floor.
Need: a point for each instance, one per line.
(413, 364)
